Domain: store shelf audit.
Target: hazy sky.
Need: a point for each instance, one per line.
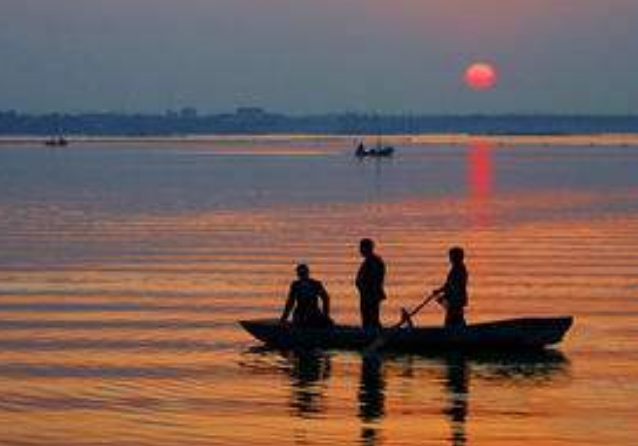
(318, 55)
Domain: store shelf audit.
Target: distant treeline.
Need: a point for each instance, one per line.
(258, 121)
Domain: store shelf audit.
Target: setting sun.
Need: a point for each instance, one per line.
(481, 76)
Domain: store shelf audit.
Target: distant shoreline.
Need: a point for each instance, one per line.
(449, 139)
(248, 123)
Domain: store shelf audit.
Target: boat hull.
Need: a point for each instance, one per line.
(511, 334)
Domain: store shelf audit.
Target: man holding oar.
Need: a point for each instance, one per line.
(453, 293)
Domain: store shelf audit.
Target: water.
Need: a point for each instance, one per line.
(124, 268)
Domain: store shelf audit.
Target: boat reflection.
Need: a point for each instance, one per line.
(457, 385)
(511, 368)
(310, 372)
(372, 394)
(371, 398)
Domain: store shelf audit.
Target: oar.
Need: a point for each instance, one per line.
(390, 332)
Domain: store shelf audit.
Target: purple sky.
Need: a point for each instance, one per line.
(318, 55)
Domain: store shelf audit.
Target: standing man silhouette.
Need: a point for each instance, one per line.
(369, 282)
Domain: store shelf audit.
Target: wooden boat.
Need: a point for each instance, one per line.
(511, 334)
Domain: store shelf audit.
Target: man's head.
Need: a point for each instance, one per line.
(456, 255)
(303, 272)
(366, 247)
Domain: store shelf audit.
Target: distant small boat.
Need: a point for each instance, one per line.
(511, 334)
(380, 151)
(59, 141)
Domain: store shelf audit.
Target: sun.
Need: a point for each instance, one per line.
(481, 76)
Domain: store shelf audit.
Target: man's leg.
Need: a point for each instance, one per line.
(374, 318)
(454, 317)
(370, 315)
(363, 310)
(376, 308)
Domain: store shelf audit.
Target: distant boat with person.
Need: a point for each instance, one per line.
(56, 141)
(378, 151)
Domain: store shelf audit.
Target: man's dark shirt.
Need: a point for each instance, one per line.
(455, 289)
(306, 294)
(370, 279)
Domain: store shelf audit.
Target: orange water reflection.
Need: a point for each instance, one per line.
(135, 341)
(445, 406)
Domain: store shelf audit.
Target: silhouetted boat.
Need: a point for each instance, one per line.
(512, 334)
(380, 151)
(59, 141)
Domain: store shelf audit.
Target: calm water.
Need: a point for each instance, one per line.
(124, 269)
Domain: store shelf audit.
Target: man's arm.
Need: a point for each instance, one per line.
(360, 280)
(325, 300)
(290, 303)
(443, 289)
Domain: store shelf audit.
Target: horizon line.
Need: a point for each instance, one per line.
(194, 113)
